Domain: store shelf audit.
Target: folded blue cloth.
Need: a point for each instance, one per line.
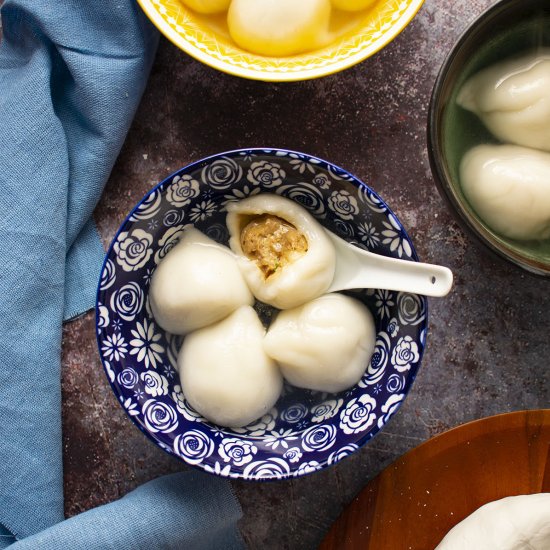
(71, 76)
(181, 511)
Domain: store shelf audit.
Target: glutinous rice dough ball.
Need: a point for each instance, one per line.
(325, 344)
(509, 188)
(279, 27)
(512, 98)
(197, 283)
(225, 373)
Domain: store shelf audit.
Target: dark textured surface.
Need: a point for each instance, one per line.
(487, 347)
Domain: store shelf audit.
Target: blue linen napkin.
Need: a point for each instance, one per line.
(181, 511)
(71, 76)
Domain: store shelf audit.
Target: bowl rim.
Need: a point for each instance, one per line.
(197, 164)
(274, 75)
(441, 175)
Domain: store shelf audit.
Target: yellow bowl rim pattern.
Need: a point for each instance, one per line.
(355, 48)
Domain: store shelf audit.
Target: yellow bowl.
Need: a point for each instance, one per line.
(207, 39)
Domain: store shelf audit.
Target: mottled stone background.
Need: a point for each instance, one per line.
(488, 342)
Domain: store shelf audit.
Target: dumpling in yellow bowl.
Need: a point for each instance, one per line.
(352, 5)
(208, 6)
(279, 27)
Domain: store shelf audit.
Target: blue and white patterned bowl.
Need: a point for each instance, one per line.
(306, 430)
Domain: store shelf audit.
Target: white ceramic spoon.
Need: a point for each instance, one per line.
(358, 268)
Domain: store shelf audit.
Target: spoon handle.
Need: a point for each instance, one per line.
(358, 268)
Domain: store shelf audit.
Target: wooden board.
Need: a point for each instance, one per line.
(416, 500)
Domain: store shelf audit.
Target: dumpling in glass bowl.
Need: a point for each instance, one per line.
(285, 255)
(509, 188)
(512, 98)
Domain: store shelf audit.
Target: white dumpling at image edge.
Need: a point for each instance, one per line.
(512, 98)
(279, 27)
(226, 374)
(508, 186)
(323, 345)
(197, 283)
(301, 280)
(513, 523)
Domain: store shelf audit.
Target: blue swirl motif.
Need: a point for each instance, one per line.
(341, 453)
(194, 446)
(412, 308)
(128, 377)
(133, 249)
(319, 438)
(343, 204)
(337, 173)
(373, 202)
(266, 174)
(173, 217)
(405, 354)
(327, 409)
(168, 240)
(344, 229)
(379, 360)
(395, 383)
(294, 413)
(237, 451)
(217, 232)
(159, 416)
(358, 415)
(305, 194)
(222, 173)
(294, 454)
(389, 408)
(272, 468)
(393, 327)
(127, 301)
(149, 207)
(108, 275)
(182, 190)
(321, 181)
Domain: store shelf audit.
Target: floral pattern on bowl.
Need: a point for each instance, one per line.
(306, 430)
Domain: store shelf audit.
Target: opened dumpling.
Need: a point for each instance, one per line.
(509, 188)
(512, 98)
(323, 345)
(208, 6)
(225, 373)
(279, 27)
(197, 283)
(285, 255)
(353, 5)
